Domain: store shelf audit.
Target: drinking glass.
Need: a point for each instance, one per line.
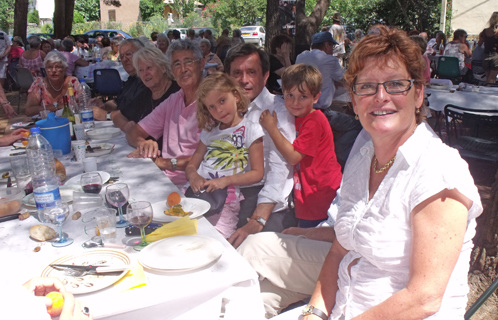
(91, 182)
(57, 215)
(117, 195)
(140, 215)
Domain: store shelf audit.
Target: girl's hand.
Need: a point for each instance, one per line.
(267, 120)
(215, 184)
(196, 182)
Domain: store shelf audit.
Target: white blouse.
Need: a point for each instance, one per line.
(379, 231)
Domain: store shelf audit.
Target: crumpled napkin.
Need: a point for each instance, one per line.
(181, 227)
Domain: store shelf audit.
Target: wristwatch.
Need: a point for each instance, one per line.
(173, 163)
(108, 116)
(258, 219)
(309, 310)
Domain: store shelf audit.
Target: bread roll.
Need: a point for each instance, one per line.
(60, 170)
(42, 233)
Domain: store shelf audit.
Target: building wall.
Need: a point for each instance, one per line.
(127, 13)
(472, 15)
(45, 9)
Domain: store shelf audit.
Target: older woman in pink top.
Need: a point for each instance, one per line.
(175, 118)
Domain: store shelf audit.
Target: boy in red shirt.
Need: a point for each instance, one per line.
(317, 174)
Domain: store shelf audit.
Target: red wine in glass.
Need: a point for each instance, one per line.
(92, 188)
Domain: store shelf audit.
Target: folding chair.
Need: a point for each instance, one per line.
(448, 68)
(24, 79)
(473, 123)
(107, 82)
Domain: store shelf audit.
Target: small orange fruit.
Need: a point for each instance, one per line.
(25, 134)
(57, 302)
(25, 142)
(174, 198)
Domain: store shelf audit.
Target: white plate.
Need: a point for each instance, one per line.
(197, 206)
(66, 195)
(103, 148)
(103, 133)
(181, 253)
(89, 283)
(76, 180)
(19, 145)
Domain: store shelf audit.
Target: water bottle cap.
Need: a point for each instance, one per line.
(82, 80)
(35, 130)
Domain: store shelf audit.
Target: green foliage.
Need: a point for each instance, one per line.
(89, 10)
(80, 28)
(33, 17)
(139, 28)
(151, 8)
(193, 19)
(184, 7)
(236, 13)
(47, 28)
(78, 18)
(6, 14)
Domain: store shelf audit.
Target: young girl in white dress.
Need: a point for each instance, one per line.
(230, 153)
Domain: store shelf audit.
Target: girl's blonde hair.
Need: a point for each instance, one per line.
(218, 81)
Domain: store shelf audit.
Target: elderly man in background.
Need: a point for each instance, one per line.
(175, 118)
(5, 46)
(132, 88)
(265, 207)
(209, 57)
(344, 127)
(223, 44)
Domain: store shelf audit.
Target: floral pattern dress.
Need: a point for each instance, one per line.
(39, 89)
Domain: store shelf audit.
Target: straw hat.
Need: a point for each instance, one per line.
(337, 17)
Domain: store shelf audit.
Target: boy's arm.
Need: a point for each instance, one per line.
(269, 122)
(255, 175)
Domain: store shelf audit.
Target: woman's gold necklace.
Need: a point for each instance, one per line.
(385, 167)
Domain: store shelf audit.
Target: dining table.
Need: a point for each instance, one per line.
(228, 286)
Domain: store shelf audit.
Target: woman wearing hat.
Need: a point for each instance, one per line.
(339, 34)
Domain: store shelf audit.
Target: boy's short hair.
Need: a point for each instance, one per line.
(302, 74)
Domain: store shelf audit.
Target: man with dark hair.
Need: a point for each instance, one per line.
(176, 35)
(223, 44)
(208, 34)
(153, 37)
(265, 207)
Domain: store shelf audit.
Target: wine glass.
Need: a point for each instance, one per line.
(140, 215)
(117, 195)
(91, 182)
(57, 215)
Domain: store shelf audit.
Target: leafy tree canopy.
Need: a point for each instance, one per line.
(6, 14)
(151, 8)
(33, 17)
(236, 13)
(86, 10)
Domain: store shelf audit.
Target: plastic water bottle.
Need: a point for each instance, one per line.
(86, 113)
(42, 167)
(97, 54)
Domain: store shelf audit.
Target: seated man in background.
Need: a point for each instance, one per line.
(344, 127)
(132, 87)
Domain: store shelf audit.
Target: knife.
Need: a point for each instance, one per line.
(97, 269)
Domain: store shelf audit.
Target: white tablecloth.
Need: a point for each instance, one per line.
(191, 295)
(473, 100)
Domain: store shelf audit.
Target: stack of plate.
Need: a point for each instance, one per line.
(181, 253)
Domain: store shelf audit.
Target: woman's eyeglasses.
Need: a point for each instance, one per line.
(393, 86)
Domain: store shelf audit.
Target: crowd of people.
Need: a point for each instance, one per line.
(362, 214)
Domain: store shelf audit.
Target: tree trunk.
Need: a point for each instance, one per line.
(307, 26)
(484, 258)
(273, 25)
(21, 19)
(63, 18)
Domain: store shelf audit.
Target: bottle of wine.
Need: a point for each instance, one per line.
(73, 105)
(67, 113)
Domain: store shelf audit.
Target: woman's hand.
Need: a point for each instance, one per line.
(215, 184)
(267, 120)
(12, 137)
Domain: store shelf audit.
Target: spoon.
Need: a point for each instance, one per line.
(98, 243)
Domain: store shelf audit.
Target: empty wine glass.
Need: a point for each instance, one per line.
(140, 215)
(117, 195)
(91, 182)
(57, 215)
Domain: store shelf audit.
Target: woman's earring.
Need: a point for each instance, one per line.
(417, 110)
(356, 116)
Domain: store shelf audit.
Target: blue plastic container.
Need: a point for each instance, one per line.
(56, 131)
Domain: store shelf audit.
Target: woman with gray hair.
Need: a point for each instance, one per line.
(162, 42)
(32, 59)
(210, 57)
(72, 60)
(47, 93)
(154, 71)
